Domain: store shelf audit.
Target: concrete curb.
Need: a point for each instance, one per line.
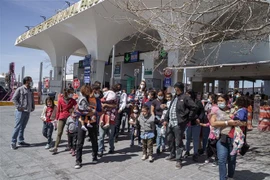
(6, 103)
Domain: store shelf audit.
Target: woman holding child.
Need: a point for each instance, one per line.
(92, 130)
(221, 119)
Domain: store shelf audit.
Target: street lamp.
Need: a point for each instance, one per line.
(28, 27)
(68, 3)
(43, 17)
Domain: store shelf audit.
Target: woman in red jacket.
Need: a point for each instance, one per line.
(65, 106)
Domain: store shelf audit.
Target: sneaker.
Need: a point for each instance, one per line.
(206, 161)
(214, 164)
(151, 159)
(78, 165)
(53, 150)
(178, 165)
(144, 157)
(23, 144)
(84, 128)
(95, 160)
(47, 146)
(100, 154)
(13, 146)
(186, 154)
(170, 158)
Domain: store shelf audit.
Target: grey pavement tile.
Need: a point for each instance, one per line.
(37, 163)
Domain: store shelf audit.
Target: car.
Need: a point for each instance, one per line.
(4, 94)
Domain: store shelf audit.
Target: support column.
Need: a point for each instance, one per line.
(267, 88)
(222, 86)
(213, 87)
(57, 72)
(98, 71)
(207, 89)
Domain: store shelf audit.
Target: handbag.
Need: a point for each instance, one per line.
(245, 146)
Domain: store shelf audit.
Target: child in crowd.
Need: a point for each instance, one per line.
(48, 117)
(214, 134)
(147, 123)
(72, 130)
(134, 125)
(237, 132)
(109, 97)
(83, 109)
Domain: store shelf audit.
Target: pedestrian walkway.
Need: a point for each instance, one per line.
(37, 163)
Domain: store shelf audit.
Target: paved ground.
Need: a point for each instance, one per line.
(37, 163)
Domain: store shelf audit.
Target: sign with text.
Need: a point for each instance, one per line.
(76, 83)
(131, 57)
(167, 82)
(117, 70)
(87, 71)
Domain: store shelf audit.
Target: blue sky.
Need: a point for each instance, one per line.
(14, 16)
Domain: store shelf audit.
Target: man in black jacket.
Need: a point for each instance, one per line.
(181, 110)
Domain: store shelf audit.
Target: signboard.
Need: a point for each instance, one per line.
(136, 72)
(87, 71)
(87, 61)
(167, 73)
(117, 70)
(148, 71)
(76, 83)
(163, 54)
(167, 82)
(131, 57)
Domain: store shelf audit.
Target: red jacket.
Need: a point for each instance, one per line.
(63, 108)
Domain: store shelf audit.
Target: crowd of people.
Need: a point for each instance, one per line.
(216, 125)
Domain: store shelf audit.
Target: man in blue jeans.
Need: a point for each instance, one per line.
(23, 100)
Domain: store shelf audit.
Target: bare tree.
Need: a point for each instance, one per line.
(199, 25)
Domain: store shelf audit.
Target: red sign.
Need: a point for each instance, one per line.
(47, 83)
(167, 73)
(76, 83)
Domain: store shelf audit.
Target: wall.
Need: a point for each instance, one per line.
(235, 51)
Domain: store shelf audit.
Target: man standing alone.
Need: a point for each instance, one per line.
(23, 100)
(181, 110)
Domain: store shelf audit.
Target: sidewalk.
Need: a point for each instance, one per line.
(37, 163)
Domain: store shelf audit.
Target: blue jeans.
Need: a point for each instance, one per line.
(47, 131)
(160, 139)
(194, 133)
(205, 134)
(223, 153)
(21, 119)
(110, 132)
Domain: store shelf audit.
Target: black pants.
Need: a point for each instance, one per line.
(118, 124)
(72, 140)
(175, 140)
(93, 137)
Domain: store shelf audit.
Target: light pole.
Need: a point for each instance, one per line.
(113, 63)
(68, 3)
(43, 17)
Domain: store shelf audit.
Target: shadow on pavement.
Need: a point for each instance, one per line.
(252, 175)
(116, 158)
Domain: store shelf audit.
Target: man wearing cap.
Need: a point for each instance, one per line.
(181, 110)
